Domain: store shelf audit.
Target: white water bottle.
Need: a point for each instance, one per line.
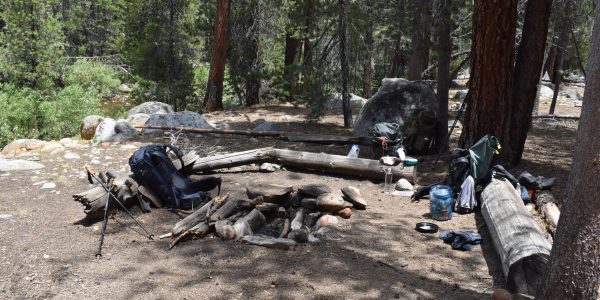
(354, 151)
(388, 187)
(401, 154)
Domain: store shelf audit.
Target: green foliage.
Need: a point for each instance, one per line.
(18, 112)
(101, 78)
(31, 43)
(27, 113)
(61, 114)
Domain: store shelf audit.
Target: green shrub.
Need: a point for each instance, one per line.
(103, 78)
(19, 113)
(62, 114)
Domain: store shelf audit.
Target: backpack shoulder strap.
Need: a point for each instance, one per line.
(175, 150)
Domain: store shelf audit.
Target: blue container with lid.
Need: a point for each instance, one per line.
(440, 202)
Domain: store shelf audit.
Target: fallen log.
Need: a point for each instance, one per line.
(333, 164)
(282, 135)
(249, 223)
(523, 250)
(94, 199)
(566, 117)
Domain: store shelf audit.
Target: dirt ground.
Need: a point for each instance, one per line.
(376, 254)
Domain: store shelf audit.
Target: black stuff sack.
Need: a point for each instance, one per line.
(386, 139)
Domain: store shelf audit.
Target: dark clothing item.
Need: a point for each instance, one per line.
(462, 240)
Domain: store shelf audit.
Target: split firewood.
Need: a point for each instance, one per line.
(331, 203)
(198, 231)
(352, 195)
(286, 228)
(270, 242)
(249, 223)
(198, 216)
(272, 193)
(149, 194)
(225, 210)
(271, 210)
(298, 219)
(547, 206)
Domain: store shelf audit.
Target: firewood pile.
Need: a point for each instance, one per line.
(272, 216)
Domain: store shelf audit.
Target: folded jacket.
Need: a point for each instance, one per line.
(461, 240)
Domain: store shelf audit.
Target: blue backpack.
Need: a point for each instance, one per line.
(153, 169)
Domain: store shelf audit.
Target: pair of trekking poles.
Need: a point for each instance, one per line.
(458, 115)
(110, 197)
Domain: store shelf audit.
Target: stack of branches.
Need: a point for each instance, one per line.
(273, 216)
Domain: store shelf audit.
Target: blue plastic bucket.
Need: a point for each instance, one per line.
(440, 202)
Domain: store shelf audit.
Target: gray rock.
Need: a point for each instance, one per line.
(572, 94)
(152, 107)
(461, 94)
(456, 83)
(397, 100)
(124, 130)
(48, 186)
(5, 216)
(546, 92)
(404, 185)
(178, 119)
(105, 132)
(269, 167)
(18, 165)
(87, 127)
(125, 89)
(71, 155)
(138, 119)
(266, 126)
(335, 101)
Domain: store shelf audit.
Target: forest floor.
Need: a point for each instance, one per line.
(376, 254)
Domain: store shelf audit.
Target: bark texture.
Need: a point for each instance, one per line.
(530, 59)
(443, 77)
(574, 270)
(345, 65)
(213, 100)
(419, 58)
(488, 106)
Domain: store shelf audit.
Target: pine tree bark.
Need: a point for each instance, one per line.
(419, 58)
(443, 77)
(253, 81)
(291, 57)
(530, 58)
(574, 270)
(213, 100)
(345, 65)
(368, 64)
(492, 50)
(563, 35)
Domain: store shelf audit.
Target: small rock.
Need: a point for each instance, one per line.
(67, 266)
(253, 140)
(46, 256)
(352, 195)
(330, 203)
(94, 162)
(87, 127)
(266, 126)
(125, 89)
(71, 155)
(17, 165)
(40, 182)
(21, 145)
(269, 167)
(404, 185)
(326, 221)
(345, 213)
(5, 216)
(105, 145)
(48, 186)
(501, 294)
(461, 94)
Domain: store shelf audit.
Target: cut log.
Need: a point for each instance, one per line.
(523, 250)
(94, 199)
(286, 228)
(332, 164)
(292, 137)
(271, 210)
(198, 231)
(198, 216)
(271, 193)
(298, 219)
(352, 195)
(249, 223)
(270, 242)
(226, 210)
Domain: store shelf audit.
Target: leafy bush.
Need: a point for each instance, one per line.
(103, 78)
(18, 113)
(62, 114)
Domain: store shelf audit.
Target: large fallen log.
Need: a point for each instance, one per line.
(332, 164)
(282, 135)
(94, 199)
(523, 250)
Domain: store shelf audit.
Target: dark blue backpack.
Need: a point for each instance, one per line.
(153, 169)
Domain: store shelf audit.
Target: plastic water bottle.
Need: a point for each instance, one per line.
(401, 154)
(354, 151)
(389, 181)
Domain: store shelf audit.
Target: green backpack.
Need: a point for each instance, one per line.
(386, 139)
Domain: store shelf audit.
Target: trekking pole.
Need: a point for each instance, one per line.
(458, 114)
(110, 195)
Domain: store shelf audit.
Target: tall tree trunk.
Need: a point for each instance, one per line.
(344, 63)
(396, 65)
(213, 100)
(443, 77)
(563, 36)
(419, 59)
(488, 110)
(530, 58)
(307, 50)
(291, 58)
(253, 81)
(574, 269)
(368, 64)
